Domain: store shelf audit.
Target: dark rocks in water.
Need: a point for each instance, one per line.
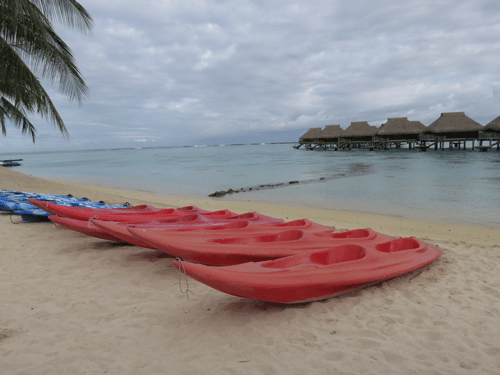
(221, 193)
(271, 185)
(218, 194)
(355, 170)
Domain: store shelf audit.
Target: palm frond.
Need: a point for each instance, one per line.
(68, 12)
(30, 46)
(17, 116)
(56, 62)
(30, 96)
(45, 51)
(3, 114)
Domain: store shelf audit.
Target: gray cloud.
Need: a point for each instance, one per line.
(168, 73)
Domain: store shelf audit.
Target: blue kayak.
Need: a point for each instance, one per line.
(17, 203)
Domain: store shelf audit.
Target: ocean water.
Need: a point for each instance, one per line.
(450, 186)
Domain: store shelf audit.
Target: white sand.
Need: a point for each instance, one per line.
(72, 304)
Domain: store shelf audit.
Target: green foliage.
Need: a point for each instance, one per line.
(29, 45)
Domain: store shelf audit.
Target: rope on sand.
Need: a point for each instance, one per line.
(183, 271)
(13, 222)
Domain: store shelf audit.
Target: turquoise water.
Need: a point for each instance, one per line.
(453, 186)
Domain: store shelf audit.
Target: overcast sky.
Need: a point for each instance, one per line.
(164, 73)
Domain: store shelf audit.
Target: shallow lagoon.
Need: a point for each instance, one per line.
(457, 186)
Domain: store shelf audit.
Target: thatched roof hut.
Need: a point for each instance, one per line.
(493, 126)
(451, 123)
(311, 134)
(359, 129)
(331, 132)
(401, 126)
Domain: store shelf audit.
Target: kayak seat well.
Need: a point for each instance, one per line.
(248, 215)
(187, 218)
(188, 209)
(339, 254)
(239, 224)
(356, 233)
(216, 213)
(291, 235)
(294, 223)
(400, 244)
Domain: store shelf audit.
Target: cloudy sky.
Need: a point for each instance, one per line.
(167, 72)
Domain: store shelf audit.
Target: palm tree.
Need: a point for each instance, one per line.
(29, 46)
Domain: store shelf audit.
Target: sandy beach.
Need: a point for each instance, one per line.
(71, 304)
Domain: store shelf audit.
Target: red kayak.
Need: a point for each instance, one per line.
(165, 214)
(224, 250)
(316, 275)
(90, 229)
(230, 227)
(207, 219)
(85, 213)
(52, 208)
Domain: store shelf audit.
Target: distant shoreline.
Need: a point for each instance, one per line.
(150, 148)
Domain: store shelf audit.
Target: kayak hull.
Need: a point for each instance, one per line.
(316, 275)
(84, 227)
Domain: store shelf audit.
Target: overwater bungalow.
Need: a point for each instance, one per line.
(310, 138)
(493, 126)
(330, 137)
(359, 135)
(451, 127)
(331, 133)
(491, 134)
(399, 130)
(359, 131)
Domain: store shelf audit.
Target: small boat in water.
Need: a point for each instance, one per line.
(316, 275)
(10, 162)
